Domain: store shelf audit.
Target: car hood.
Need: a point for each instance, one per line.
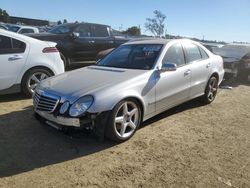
(74, 84)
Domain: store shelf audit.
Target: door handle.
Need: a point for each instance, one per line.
(187, 72)
(111, 41)
(91, 41)
(208, 65)
(15, 57)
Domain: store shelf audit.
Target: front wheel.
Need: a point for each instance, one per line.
(211, 90)
(124, 121)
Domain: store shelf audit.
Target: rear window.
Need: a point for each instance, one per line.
(26, 31)
(193, 52)
(100, 31)
(203, 54)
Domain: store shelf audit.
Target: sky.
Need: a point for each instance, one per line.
(222, 20)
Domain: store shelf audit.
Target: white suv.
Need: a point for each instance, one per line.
(25, 61)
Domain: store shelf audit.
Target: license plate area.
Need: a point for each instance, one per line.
(74, 122)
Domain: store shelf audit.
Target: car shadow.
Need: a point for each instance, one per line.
(26, 144)
(12, 97)
(234, 82)
(195, 103)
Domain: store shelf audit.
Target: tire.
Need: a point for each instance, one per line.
(211, 90)
(124, 120)
(66, 61)
(32, 78)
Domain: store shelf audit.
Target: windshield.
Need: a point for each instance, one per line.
(136, 56)
(13, 28)
(62, 29)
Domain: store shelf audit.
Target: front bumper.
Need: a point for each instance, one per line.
(52, 119)
(73, 122)
(95, 122)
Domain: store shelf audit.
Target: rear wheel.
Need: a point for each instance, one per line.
(211, 90)
(124, 121)
(32, 78)
(66, 61)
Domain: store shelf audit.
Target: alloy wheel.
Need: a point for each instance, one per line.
(212, 89)
(35, 79)
(126, 119)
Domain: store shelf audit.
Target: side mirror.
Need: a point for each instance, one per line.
(75, 35)
(168, 67)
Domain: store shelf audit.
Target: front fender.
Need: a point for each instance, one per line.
(107, 103)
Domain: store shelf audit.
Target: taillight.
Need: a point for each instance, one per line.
(50, 50)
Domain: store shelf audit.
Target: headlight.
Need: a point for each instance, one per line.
(64, 107)
(80, 106)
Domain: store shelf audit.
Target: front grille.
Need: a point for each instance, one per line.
(45, 102)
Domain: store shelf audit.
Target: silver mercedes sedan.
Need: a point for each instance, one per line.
(133, 83)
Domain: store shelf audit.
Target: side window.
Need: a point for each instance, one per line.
(5, 45)
(193, 52)
(174, 55)
(26, 31)
(100, 31)
(83, 30)
(18, 46)
(203, 54)
(10, 46)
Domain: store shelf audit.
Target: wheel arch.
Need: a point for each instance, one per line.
(37, 67)
(138, 100)
(216, 75)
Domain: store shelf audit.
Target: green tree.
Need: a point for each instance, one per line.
(59, 22)
(156, 25)
(4, 16)
(134, 31)
(65, 21)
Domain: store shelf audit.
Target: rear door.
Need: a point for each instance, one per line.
(103, 40)
(84, 44)
(173, 87)
(13, 55)
(200, 67)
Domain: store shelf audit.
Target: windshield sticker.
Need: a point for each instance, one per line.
(151, 49)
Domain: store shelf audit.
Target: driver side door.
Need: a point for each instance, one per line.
(173, 87)
(83, 44)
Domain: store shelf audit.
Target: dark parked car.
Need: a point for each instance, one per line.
(236, 59)
(81, 41)
(3, 27)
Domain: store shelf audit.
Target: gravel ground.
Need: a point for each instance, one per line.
(189, 146)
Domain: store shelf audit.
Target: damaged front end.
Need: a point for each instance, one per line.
(47, 110)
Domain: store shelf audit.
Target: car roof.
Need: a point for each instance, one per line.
(155, 41)
(19, 36)
(81, 23)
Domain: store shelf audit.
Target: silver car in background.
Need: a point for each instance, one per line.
(133, 83)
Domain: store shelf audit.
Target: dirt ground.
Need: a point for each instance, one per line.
(189, 146)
